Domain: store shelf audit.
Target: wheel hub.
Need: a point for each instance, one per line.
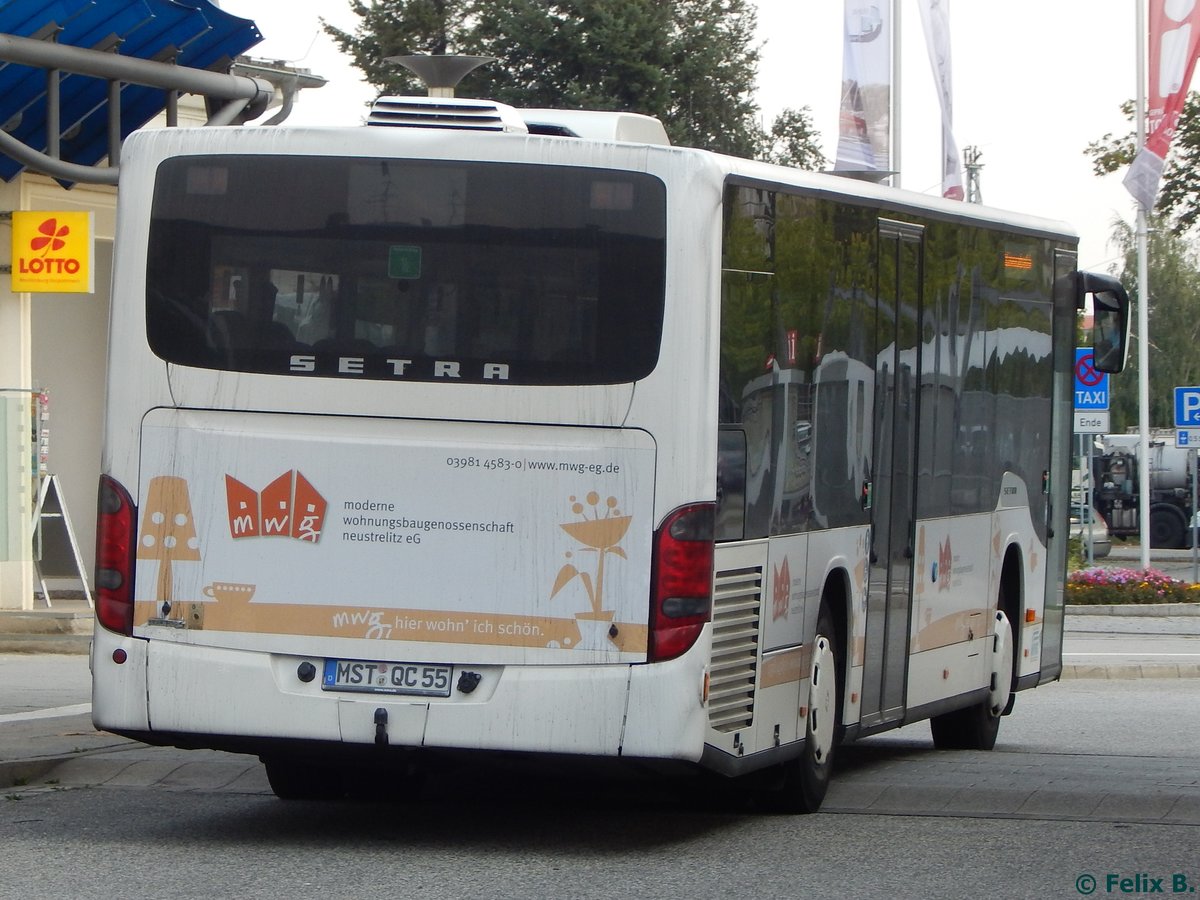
(1002, 664)
(822, 695)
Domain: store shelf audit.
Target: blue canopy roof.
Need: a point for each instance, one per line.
(192, 33)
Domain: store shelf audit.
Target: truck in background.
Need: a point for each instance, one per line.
(1116, 476)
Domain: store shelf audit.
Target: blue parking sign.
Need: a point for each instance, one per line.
(1187, 407)
(1091, 386)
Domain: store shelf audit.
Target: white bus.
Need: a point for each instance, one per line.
(532, 433)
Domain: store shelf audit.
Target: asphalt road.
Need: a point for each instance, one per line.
(142, 843)
(1091, 779)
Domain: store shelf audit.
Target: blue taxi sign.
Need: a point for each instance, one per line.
(1091, 386)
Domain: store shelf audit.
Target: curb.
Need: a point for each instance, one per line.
(65, 628)
(1133, 609)
(24, 772)
(75, 644)
(1133, 670)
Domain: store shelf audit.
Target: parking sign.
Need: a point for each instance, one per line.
(1187, 407)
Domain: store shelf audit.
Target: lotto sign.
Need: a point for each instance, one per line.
(1091, 386)
(52, 252)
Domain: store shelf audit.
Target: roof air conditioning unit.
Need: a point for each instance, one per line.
(446, 112)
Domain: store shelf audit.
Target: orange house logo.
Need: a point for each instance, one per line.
(52, 251)
(287, 507)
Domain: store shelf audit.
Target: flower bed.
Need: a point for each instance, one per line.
(1096, 585)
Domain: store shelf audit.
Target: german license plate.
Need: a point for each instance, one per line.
(418, 679)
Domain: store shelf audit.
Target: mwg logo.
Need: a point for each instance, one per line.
(287, 507)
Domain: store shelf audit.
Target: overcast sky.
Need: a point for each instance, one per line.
(1034, 82)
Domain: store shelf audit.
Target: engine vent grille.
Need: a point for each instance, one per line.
(737, 598)
(444, 112)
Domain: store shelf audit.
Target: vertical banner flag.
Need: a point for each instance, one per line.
(864, 127)
(1174, 41)
(935, 17)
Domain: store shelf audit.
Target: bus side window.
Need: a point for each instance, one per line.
(731, 484)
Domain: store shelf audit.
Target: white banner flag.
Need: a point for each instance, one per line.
(935, 17)
(864, 128)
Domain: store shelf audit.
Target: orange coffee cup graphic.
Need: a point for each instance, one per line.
(229, 591)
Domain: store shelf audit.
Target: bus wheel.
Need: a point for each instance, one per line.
(804, 781)
(301, 779)
(976, 727)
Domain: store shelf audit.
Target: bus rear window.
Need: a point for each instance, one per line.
(406, 269)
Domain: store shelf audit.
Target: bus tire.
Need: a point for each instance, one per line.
(801, 786)
(300, 779)
(976, 727)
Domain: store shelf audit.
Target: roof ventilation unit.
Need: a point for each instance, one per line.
(446, 112)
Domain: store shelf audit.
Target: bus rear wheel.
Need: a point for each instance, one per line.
(803, 782)
(976, 727)
(301, 779)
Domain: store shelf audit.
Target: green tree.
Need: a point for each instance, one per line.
(1174, 277)
(1178, 203)
(398, 28)
(588, 54)
(793, 141)
(690, 63)
(714, 62)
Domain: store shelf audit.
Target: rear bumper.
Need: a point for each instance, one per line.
(194, 696)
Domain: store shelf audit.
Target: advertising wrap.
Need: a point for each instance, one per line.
(491, 536)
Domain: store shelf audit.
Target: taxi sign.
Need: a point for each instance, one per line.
(1091, 386)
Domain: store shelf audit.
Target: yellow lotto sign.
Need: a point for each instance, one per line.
(52, 252)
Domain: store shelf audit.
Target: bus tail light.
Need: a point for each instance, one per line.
(116, 519)
(681, 581)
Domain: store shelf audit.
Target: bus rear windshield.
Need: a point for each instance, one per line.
(399, 269)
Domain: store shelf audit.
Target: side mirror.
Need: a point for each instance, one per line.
(1110, 319)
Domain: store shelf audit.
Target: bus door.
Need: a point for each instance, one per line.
(1065, 264)
(897, 369)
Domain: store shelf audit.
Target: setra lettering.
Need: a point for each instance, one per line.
(308, 363)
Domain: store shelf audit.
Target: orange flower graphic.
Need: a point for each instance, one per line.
(599, 534)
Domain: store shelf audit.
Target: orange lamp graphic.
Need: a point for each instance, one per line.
(168, 533)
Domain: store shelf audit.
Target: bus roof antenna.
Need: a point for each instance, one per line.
(441, 73)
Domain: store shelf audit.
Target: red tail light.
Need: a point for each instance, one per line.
(115, 539)
(681, 581)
